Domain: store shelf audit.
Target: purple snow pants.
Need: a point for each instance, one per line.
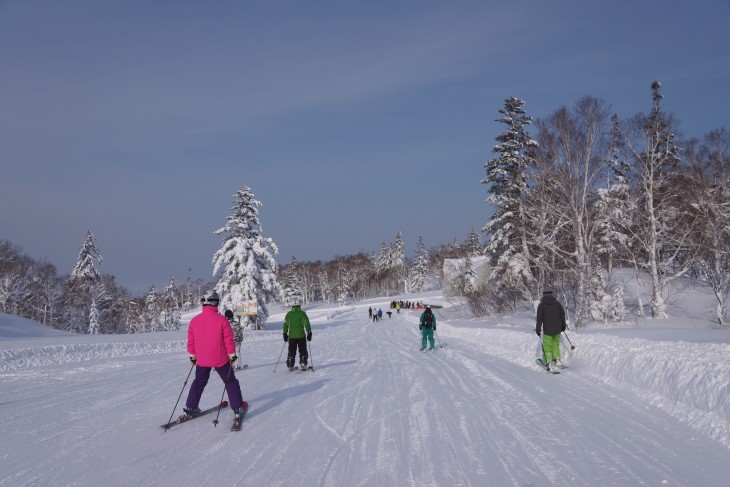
(202, 374)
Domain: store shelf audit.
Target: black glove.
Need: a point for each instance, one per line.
(309, 336)
(434, 327)
(192, 358)
(538, 332)
(232, 360)
(286, 337)
(420, 327)
(564, 327)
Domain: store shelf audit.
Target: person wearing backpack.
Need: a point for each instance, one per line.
(550, 322)
(237, 333)
(427, 325)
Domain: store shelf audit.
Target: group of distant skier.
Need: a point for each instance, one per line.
(375, 314)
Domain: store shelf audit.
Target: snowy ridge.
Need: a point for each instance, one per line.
(692, 388)
(18, 358)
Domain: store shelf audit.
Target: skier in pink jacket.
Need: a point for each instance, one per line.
(210, 345)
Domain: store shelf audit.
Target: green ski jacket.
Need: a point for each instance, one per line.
(295, 323)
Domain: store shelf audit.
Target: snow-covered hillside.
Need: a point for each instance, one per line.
(638, 406)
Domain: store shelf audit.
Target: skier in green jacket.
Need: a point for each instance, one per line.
(297, 332)
(427, 325)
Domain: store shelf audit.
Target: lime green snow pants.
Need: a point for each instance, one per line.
(551, 347)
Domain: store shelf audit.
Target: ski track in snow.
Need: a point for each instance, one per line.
(376, 412)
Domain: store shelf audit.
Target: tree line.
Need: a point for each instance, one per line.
(87, 301)
(587, 193)
(591, 191)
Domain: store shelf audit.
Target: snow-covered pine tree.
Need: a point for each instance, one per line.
(398, 262)
(473, 244)
(615, 204)
(78, 293)
(170, 307)
(382, 264)
(292, 286)
(246, 261)
(618, 307)
(84, 270)
(152, 314)
(508, 246)
(93, 319)
(420, 267)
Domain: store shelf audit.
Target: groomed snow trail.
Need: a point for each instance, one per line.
(376, 412)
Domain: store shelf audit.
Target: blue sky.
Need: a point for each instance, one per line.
(350, 121)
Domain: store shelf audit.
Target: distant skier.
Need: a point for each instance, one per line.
(551, 321)
(427, 325)
(380, 314)
(237, 333)
(296, 322)
(210, 345)
(370, 313)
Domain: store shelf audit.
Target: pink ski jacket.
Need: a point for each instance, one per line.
(210, 338)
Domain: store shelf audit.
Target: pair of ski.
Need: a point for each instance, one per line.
(184, 419)
(542, 364)
(309, 367)
(427, 350)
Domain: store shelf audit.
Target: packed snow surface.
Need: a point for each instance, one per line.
(635, 407)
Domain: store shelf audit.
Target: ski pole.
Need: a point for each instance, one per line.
(310, 356)
(277, 360)
(437, 338)
(492, 315)
(220, 404)
(178, 397)
(572, 347)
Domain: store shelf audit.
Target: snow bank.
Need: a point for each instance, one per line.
(689, 381)
(56, 354)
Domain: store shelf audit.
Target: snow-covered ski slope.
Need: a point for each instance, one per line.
(82, 410)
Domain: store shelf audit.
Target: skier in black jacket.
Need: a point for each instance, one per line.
(550, 323)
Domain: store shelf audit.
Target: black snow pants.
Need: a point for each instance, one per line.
(303, 355)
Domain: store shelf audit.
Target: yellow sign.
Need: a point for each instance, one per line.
(247, 308)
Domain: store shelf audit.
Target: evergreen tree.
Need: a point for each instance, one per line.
(420, 268)
(508, 246)
(398, 261)
(383, 263)
(84, 270)
(246, 261)
(170, 307)
(79, 288)
(152, 314)
(93, 319)
(473, 244)
(615, 204)
(292, 285)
